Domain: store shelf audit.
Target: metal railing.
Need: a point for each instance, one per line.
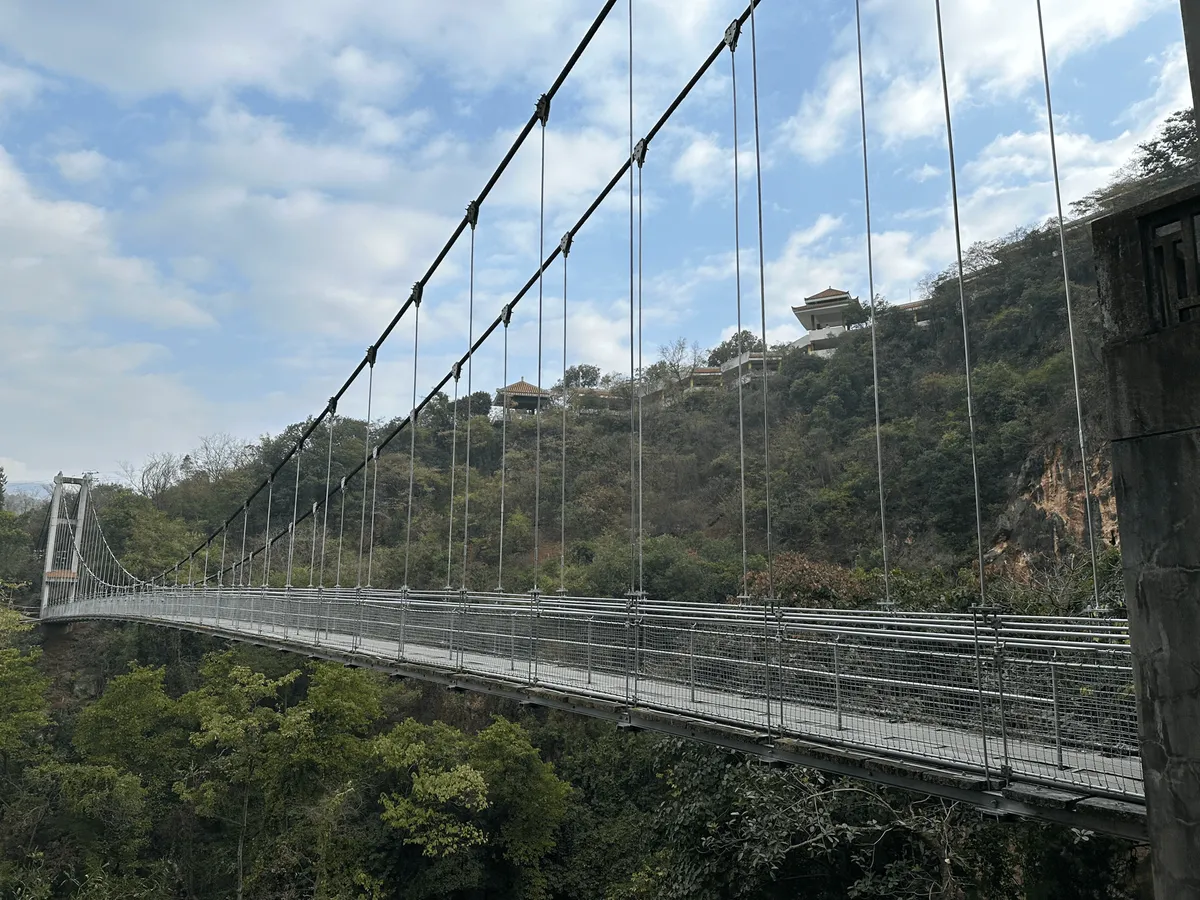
(1043, 700)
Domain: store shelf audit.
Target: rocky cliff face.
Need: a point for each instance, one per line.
(1047, 519)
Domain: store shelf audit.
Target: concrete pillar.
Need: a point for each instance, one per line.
(1149, 284)
(51, 541)
(1190, 10)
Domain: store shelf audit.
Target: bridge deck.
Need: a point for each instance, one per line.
(954, 710)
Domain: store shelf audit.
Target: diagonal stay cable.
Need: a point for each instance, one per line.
(552, 257)
(518, 142)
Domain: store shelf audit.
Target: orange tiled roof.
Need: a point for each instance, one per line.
(522, 387)
(830, 293)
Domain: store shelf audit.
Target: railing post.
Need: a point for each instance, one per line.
(975, 614)
(1005, 768)
(767, 669)
(465, 624)
(591, 621)
(512, 642)
(535, 601)
(692, 660)
(358, 597)
(627, 628)
(1054, 695)
(837, 680)
(403, 622)
(781, 642)
(638, 635)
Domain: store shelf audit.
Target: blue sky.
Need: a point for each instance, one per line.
(208, 210)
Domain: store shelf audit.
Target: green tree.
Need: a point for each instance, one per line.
(743, 342)
(24, 710)
(237, 718)
(488, 799)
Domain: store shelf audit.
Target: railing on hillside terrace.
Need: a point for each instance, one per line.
(1038, 699)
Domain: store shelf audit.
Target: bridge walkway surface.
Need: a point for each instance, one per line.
(1014, 715)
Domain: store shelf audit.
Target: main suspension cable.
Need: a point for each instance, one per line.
(1062, 239)
(962, 296)
(862, 108)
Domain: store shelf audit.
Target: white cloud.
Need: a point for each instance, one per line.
(92, 402)
(61, 255)
(312, 216)
(925, 173)
(704, 166)
(18, 87)
(362, 76)
(992, 55)
(82, 165)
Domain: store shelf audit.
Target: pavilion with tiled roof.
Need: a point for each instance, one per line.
(824, 309)
(521, 395)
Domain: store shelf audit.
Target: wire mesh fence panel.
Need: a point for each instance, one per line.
(1049, 699)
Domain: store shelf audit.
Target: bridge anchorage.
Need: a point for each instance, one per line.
(1016, 715)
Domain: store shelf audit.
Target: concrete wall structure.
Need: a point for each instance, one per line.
(1149, 281)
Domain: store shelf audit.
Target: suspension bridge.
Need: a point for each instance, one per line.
(1016, 715)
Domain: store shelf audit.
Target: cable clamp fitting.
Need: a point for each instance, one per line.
(543, 109)
(375, 454)
(732, 33)
(565, 245)
(456, 370)
(343, 487)
(371, 351)
(473, 214)
(418, 292)
(639, 152)
(506, 314)
(314, 511)
(332, 405)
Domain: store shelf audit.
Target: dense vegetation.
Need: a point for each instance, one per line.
(136, 763)
(204, 772)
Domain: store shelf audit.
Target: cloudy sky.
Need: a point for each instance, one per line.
(208, 210)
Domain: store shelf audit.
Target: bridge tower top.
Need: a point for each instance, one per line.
(60, 574)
